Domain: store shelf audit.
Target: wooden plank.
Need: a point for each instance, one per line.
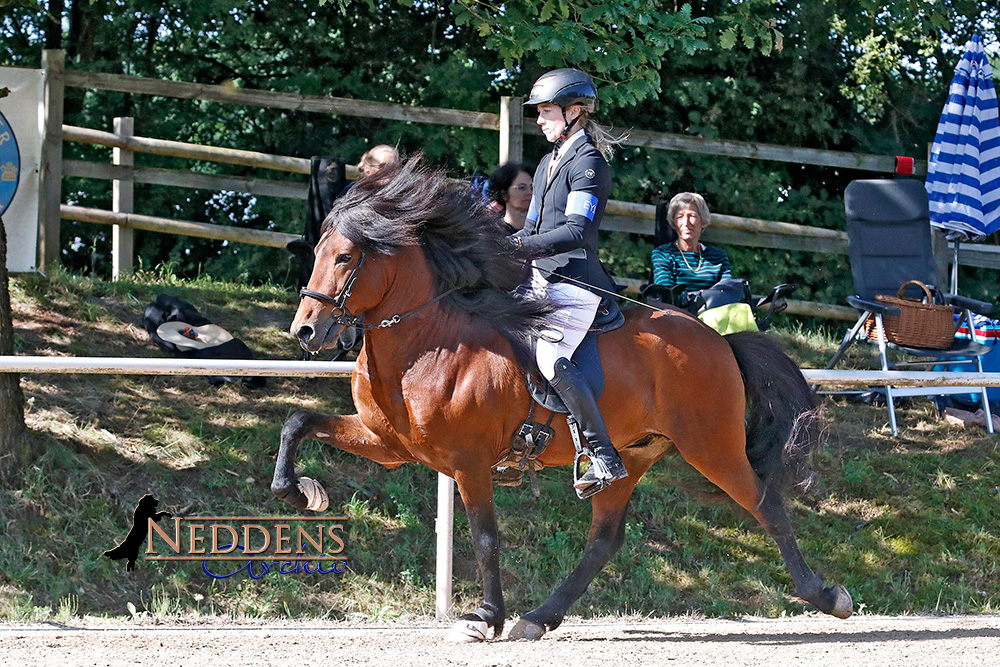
(782, 241)
(977, 254)
(122, 242)
(50, 185)
(758, 151)
(187, 179)
(180, 227)
(278, 100)
(180, 149)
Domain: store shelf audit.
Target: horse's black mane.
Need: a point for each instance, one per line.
(465, 245)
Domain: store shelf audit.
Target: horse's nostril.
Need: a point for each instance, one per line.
(304, 333)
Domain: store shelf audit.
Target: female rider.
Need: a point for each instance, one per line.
(571, 187)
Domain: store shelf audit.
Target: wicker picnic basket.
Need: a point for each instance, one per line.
(920, 323)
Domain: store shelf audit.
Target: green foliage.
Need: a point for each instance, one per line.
(623, 56)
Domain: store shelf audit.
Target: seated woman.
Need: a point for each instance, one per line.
(687, 262)
(510, 189)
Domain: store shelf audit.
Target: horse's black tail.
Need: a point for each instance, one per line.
(782, 419)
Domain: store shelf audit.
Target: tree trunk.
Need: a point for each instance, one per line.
(13, 433)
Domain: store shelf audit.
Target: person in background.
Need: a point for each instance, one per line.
(376, 158)
(687, 262)
(510, 189)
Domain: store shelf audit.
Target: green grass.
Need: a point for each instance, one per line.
(908, 524)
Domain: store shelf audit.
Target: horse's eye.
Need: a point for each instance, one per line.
(343, 258)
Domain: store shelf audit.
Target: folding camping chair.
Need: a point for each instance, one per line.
(889, 231)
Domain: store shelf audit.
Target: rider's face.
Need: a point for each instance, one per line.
(550, 118)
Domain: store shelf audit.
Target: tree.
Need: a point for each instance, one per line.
(13, 432)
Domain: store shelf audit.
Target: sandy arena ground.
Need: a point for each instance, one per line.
(812, 640)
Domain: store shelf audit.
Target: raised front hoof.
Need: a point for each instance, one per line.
(316, 498)
(525, 629)
(307, 494)
(843, 605)
(467, 631)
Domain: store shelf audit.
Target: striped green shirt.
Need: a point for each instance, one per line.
(672, 267)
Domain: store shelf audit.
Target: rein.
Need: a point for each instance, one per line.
(594, 288)
(347, 319)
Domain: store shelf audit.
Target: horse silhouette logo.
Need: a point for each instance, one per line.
(129, 547)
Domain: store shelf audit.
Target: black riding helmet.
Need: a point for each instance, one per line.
(564, 88)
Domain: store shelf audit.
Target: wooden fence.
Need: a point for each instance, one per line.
(509, 123)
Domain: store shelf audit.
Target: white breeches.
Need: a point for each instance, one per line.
(572, 320)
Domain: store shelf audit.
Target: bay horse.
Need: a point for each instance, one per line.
(439, 381)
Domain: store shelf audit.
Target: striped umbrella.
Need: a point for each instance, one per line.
(963, 176)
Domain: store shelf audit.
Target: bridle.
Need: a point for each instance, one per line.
(346, 318)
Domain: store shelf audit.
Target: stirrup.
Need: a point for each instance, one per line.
(588, 483)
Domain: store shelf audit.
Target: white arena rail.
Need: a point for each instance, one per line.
(446, 485)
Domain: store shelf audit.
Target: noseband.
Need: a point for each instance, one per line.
(345, 317)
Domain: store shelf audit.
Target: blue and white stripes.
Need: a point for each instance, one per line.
(963, 177)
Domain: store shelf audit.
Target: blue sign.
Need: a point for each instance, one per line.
(10, 164)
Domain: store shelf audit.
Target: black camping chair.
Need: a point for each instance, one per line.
(327, 181)
(722, 294)
(888, 226)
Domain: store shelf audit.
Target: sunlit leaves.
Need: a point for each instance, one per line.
(622, 43)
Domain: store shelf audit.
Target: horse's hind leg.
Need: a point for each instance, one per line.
(834, 600)
(344, 432)
(726, 466)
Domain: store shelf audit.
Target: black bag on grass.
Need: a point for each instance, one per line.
(179, 329)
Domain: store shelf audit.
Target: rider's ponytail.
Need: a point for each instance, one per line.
(605, 142)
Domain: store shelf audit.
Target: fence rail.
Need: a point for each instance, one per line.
(201, 230)
(277, 100)
(471, 119)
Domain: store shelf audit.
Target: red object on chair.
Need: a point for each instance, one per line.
(904, 165)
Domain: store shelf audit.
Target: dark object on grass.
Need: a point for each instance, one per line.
(169, 308)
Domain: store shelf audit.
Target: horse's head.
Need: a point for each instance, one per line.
(345, 282)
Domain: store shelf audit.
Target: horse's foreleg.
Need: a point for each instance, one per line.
(344, 432)
(834, 600)
(607, 533)
(477, 495)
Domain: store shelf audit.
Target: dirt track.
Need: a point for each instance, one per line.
(814, 641)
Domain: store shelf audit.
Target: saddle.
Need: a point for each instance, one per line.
(531, 438)
(586, 358)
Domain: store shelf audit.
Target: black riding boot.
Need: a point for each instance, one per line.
(606, 466)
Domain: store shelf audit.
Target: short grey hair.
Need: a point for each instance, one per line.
(691, 200)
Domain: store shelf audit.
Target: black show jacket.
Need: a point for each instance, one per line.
(565, 214)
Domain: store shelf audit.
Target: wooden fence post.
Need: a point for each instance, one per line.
(511, 129)
(50, 185)
(122, 247)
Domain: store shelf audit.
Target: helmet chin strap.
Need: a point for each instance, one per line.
(566, 132)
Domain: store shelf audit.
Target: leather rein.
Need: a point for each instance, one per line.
(346, 318)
